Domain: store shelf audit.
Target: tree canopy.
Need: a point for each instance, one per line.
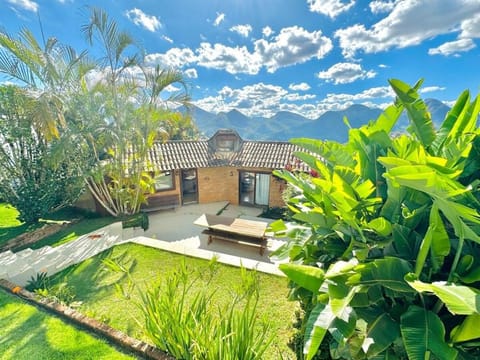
(98, 116)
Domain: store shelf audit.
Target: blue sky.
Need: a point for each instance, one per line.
(305, 56)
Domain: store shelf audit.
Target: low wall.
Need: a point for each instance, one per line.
(31, 237)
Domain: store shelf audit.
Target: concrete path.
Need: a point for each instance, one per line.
(21, 266)
(175, 229)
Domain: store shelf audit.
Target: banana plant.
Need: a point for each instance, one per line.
(385, 249)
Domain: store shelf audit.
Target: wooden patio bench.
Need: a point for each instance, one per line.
(236, 238)
(240, 231)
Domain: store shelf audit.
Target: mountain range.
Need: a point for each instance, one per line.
(286, 125)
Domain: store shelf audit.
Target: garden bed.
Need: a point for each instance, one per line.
(94, 286)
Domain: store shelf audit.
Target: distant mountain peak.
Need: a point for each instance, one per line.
(285, 125)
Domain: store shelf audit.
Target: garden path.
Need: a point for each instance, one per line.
(175, 229)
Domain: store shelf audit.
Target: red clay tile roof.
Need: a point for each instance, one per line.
(198, 154)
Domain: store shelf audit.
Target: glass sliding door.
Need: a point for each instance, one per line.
(254, 188)
(247, 188)
(262, 189)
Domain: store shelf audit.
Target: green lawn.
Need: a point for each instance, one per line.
(94, 286)
(71, 232)
(29, 333)
(10, 227)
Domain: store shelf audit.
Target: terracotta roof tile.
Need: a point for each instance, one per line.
(198, 154)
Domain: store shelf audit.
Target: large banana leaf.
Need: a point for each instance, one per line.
(420, 118)
(423, 333)
(446, 128)
(382, 332)
(454, 212)
(308, 277)
(459, 299)
(467, 330)
(331, 152)
(321, 320)
(386, 121)
(436, 242)
(403, 243)
(388, 272)
(466, 121)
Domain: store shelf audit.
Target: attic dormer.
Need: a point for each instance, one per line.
(225, 141)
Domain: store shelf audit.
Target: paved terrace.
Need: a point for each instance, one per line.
(171, 230)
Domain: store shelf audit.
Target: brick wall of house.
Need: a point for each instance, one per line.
(277, 186)
(222, 184)
(218, 184)
(214, 184)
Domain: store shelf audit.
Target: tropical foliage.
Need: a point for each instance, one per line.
(128, 113)
(384, 256)
(37, 175)
(182, 318)
(38, 172)
(107, 113)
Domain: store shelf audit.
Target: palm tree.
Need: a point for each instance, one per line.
(50, 73)
(133, 111)
(41, 172)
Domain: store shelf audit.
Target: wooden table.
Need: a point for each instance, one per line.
(241, 231)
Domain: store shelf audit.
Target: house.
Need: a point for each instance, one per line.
(222, 168)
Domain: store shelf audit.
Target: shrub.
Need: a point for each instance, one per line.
(137, 220)
(39, 281)
(61, 292)
(199, 329)
(385, 253)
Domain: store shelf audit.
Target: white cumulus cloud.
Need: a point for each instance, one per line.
(28, 5)
(219, 19)
(243, 30)
(345, 73)
(409, 23)
(299, 87)
(453, 47)
(293, 45)
(428, 89)
(267, 31)
(331, 8)
(191, 73)
(139, 18)
(471, 27)
(253, 100)
(167, 39)
(174, 58)
(172, 88)
(379, 92)
(298, 97)
(379, 6)
(231, 59)
(266, 100)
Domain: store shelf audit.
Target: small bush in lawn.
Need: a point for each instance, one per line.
(38, 282)
(61, 293)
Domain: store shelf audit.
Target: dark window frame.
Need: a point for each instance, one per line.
(162, 174)
(254, 172)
